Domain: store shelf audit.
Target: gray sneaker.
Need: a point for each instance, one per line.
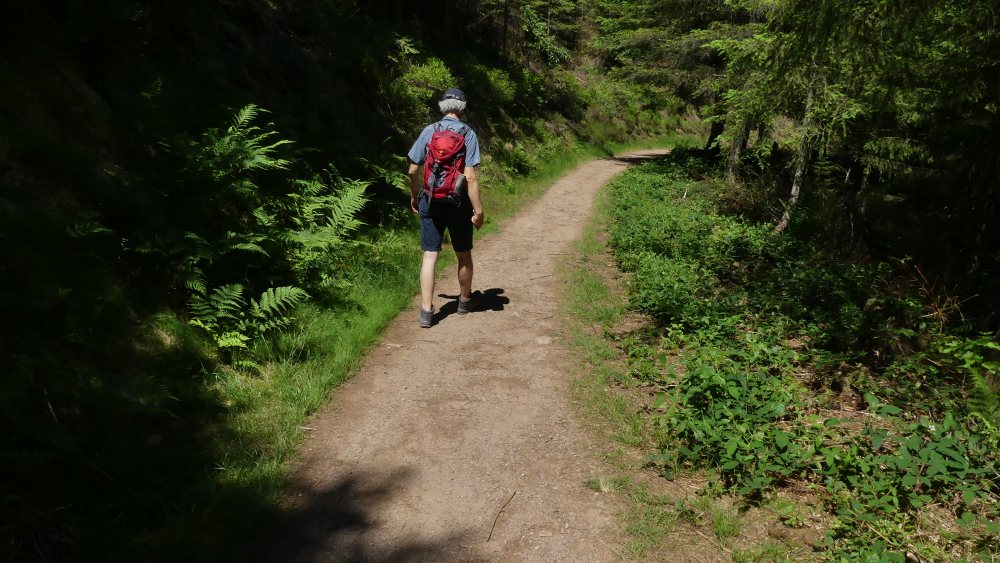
(426, 317)
(467, 305)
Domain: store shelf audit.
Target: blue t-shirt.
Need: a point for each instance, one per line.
(418, 153)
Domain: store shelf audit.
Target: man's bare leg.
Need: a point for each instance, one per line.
(427, 280)
(465, 273)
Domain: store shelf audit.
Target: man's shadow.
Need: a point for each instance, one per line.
(492, 299)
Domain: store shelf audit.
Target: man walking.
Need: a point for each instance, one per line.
(444, 190)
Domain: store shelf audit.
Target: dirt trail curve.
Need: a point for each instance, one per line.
(417, 454)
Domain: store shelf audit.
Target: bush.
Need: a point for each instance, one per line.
(415, 87)
(492, 86)
(672, 290)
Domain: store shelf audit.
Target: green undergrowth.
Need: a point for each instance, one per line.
(265, 410)
(776, 363)
(657, 526)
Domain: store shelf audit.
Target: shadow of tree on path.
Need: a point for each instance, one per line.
(342, 523)
(636, 158)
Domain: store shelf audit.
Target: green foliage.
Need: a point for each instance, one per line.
(232, 323)
(619, 109)
(242, 148)
(749, 321)
(671, 290)
(743, 389)
(494, 87)
(420, 81)
(688, 230)
(539, 37)
(670, 46)
(324, 214)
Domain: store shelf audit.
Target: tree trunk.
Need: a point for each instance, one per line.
(801, 163)
(736, 149)
(800, 172)
(713, 136)
(506, 27)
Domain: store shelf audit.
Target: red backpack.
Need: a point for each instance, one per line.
(445, 163)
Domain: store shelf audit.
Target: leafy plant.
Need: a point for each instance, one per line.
(324, 214)
(233, 323)
(242, 148)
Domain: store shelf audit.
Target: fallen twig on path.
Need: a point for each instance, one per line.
(498, 516)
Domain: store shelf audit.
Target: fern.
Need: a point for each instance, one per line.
(241, 241)
(310, 231)
(247, 364)
(245, 116)
(345, 207)
(278, 300)
(232, 339)
(233, 323)
(976, 358)
(984, 400)
(87, 228)
(390, 241)
(228, 301)
(197, 248)
(326, 217)
(195, 280)
(216, 308)
(392, 176)
(248, 147)
(271, 311)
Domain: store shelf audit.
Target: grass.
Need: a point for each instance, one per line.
(649, 518)
(769, 551)
(325, 348)
(592, 309)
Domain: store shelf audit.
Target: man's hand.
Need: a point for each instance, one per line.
(478, 218)
(416, 184)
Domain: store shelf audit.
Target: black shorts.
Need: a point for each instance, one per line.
(440, 215)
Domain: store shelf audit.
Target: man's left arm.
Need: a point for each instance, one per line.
(416, 184)
(477, 203)
(471, 166)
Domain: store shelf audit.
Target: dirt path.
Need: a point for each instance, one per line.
(417, 454)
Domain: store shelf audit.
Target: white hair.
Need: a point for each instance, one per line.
(451, 105)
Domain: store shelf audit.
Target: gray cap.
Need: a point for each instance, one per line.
(453, 94)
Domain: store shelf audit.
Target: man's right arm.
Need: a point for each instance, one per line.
(416, 156)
